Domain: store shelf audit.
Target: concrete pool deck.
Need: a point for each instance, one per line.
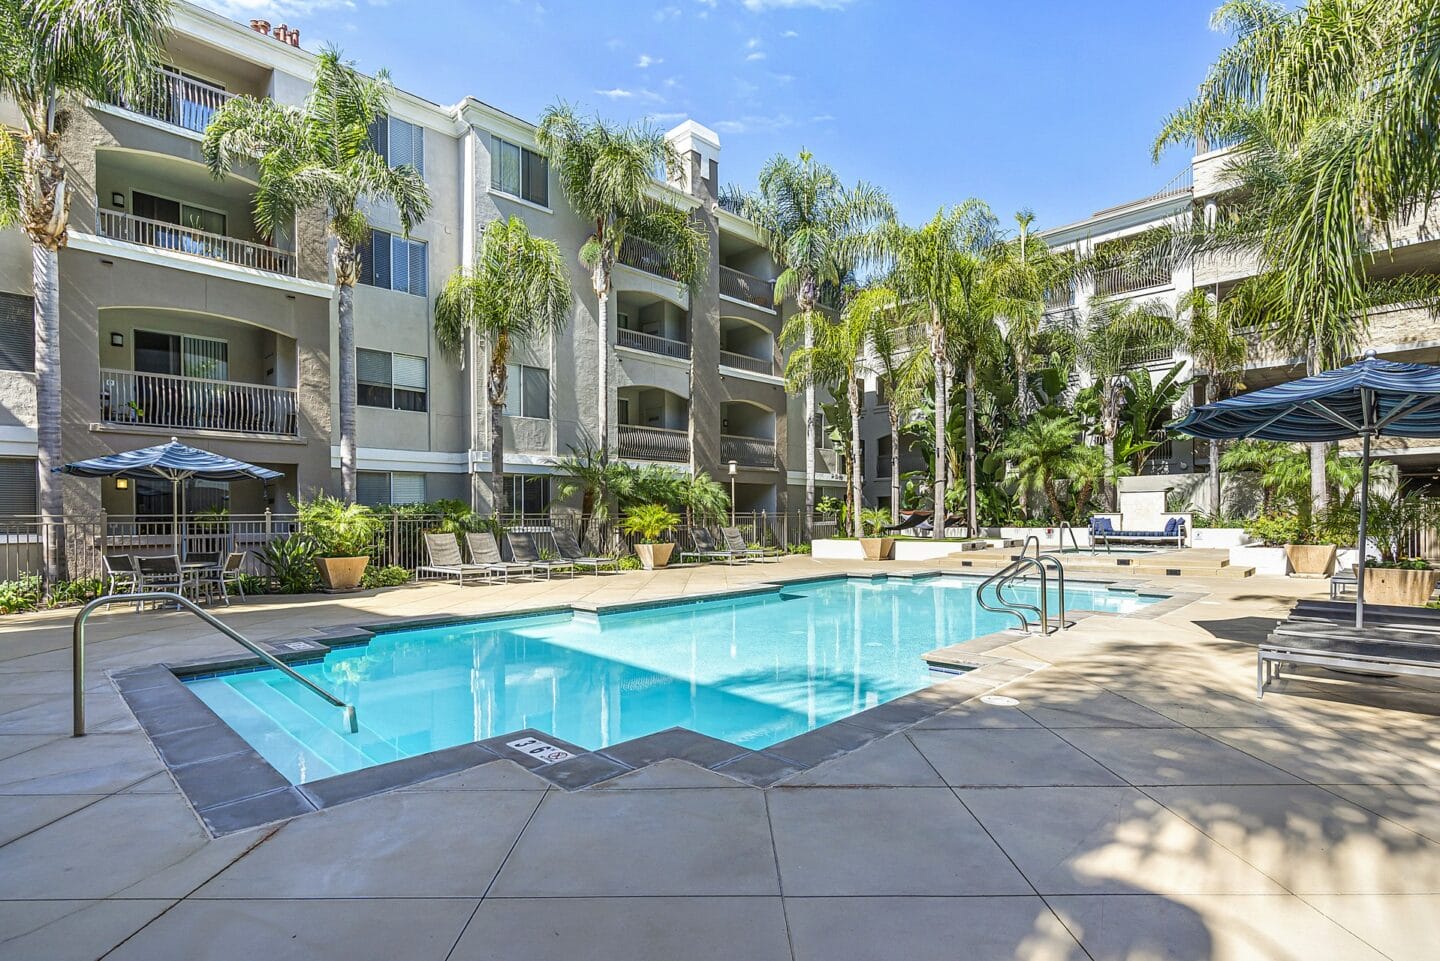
(1139, 802)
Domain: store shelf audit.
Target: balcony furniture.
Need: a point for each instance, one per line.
(118, 225)
(735, 541)
(128, 397)
(742, 286)
(442, 554)
(524, 550)
(707, 549)
(571, 552)
(485, 550)
(652, 343)
(653, 443)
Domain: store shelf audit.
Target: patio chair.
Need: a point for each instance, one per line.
(162, 573)
(121, 575)
(1343, 582)
(224, 576)
(443, 555)
(707, 549)
(571, 552)
(523, 549)
(485, 552)
(735, 541)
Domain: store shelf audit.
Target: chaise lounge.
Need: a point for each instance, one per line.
(1102, 531)
(571, 552)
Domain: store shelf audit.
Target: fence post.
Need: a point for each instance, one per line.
(269, 529)
(394, 536)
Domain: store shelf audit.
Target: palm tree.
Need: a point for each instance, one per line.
(1026, 270)
(1049, 448)
(1213, 339)
(518, 289)
(607, 174)
(320, 156)
(590, 472)
(900, 371)
(817, 230)
(56, 54)
(1148, 405)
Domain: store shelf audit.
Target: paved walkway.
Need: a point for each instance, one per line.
(1139, 803)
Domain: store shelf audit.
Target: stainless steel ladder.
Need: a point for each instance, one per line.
(998, 581)
(77, 652)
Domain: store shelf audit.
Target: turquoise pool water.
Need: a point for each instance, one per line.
(753, 670)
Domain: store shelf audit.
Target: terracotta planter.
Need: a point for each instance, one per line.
(341, 573)
(877, 548)
(653, 556)
(1403, 588)
(1312, 560)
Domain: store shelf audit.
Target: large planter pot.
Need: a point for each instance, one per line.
(877, 548)
(653, 556)
(1312, 560)
(1400, 587)
(341, 573)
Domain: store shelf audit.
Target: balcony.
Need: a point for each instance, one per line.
(129, 228)
(642, 255)
(755, 365)
(1146, 356)
(177, 100)
(1111, 281)
(132, 399)
(743, 286)
(652, 343)
(747, 451)
(653, 443)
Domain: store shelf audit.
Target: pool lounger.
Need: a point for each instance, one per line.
(1335, 648)
(485, 552)
(443, 554)
(569, 549)
(735, 541)
(1104, 532)
(707, 549)
(523, 549)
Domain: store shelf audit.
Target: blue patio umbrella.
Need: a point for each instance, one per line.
(1373, 398)
(174, 462)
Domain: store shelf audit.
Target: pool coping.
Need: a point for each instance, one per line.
(231, 787)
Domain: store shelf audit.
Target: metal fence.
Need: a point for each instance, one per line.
(400, 540)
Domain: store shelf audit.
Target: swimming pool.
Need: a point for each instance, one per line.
(752, 669)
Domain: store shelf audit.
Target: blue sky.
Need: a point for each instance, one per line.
(1045, 104)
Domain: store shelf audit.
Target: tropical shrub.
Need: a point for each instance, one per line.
(76, 591)
(291, 563)
(873, 520)
(649, 522)
(338, 529)
(391, 575)
(254, 584)
(1393, 520)
(21, 594)
(1277, 529)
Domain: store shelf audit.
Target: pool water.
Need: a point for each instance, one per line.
(753, 669)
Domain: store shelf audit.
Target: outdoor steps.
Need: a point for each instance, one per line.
(1190, 562)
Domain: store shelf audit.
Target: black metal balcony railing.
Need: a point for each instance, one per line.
(642, 255)
(653, 443)
(743, 286)
(652, 343)
(129, 398)
(756, 365)
(747, 451)
(177, 100)
(116, 225)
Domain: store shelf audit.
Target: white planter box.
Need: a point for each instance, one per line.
(1219, 538)
(1049, 536)
(1265, 560)
(919, 549)
(827, 549)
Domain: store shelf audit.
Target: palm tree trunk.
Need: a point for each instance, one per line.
(601, 282)
(45, 275)
(1319, 489)
(497, 385)
(894, 462)
(347, 392)
(972, 510)
(809, 343)
(856, 467)
(942, 394)
(1215, 493)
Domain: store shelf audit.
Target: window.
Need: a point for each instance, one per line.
(162, 353)
(396, 381)
(395, 263)
(19, 486)
(154, 497)
(399, 142)
(373, 488)
(882, 456)
(519, 172)
(823, 441)
(17, 332)
(175, 212)
(528, 392)
(527, 493)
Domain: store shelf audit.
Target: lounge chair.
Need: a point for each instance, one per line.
(1343, 582)
(485, 552)
(1342, 613)
(707, 549)
(1102, 531)
(735, 541)
(909, 522)
(571, 553)
(523, 549)
(443, 556)
(1351, 653)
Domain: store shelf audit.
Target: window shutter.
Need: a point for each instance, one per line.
(18, 486)
(372, 487)
(380, 136)
(17, 332)
(417, 148)
(400, 142)
(537, 393)
(399, 264)
(380, 244)
(367, 259)
(407, 488)
(419, 280)
(409, 372)
(372, 366)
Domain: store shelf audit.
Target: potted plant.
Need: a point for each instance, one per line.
(343, 535)
(1307, 557)
(647, 523)
(1393, 578)
(872, 522)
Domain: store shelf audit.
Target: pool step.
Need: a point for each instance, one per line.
(1190, 562)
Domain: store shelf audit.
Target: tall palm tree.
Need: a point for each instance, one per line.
(519, 289)
(817, 229)
(320, 156)
(607, 174)
(56, 54)
(1049, 448)
(1213, 339)
(1026, 270)
(900, 372)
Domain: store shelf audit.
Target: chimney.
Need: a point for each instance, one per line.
(260, 26)
(294, 37)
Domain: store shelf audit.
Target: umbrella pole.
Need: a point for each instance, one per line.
(1364, 525)
(175, 516)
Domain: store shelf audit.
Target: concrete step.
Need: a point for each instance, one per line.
(1175, 563)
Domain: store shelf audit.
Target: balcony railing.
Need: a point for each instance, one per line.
(747, 451)
(653, 443)
(1145, 356)
(197, 243)
(742, 286)
(195, 403)
(178, 100)
(1110, 281)
(642, 255)
(756, 365)
(652, 343)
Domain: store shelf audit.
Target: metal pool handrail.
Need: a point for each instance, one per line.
(1007, 606)
(78, 651)
(1067, 526)
(1043, 559)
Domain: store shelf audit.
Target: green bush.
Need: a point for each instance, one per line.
(798, 549)
(630, 563)
(21, 594)
(1277, 529)
(649, 522)
(291, 563)
(78, 591)
(254, 584)
(338, 529)
(391, 575)
(1407, 564)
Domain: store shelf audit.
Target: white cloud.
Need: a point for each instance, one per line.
(752, 43)
(789, 34)
(759, 6)
(757, 55)
(645, 60)
(666, 13)
(754, 124)
(275, 10)
(616, 93)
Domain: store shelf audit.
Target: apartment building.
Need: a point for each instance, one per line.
(180, 318)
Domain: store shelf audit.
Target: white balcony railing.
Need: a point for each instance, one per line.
(743, 286)
(177, 100)
(747, 451)
(195, 403)
(1110, 281)
(653, 443)
(756, 365)
(1146, 356)
(652, 343)
(196, 243)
